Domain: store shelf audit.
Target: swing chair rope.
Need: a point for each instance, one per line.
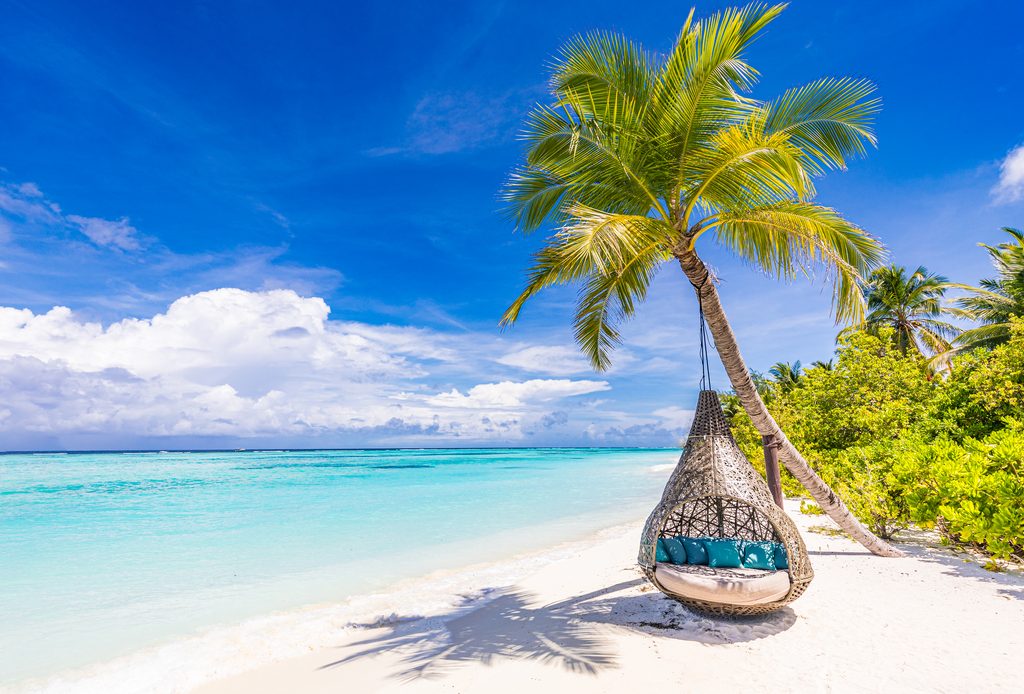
(705, 366)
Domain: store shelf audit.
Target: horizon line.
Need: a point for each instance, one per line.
(326, 450)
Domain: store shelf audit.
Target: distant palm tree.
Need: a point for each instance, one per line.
(998, 298)
(824, 365)
(639, 156)
(912, 305)
(786, 375)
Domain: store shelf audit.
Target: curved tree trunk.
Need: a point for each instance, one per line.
(739, 375)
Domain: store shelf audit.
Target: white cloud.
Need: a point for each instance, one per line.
(119, 234)
(25, 202)
(236, 363)
(549, 359)
(511, 394)
(30, 190)
(1010, 187)
(16, 202)
(447, 122)
(675, 417)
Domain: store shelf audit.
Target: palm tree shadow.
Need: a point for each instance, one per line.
(506, 626)
(572, 633)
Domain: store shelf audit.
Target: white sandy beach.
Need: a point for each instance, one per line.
(588, 622)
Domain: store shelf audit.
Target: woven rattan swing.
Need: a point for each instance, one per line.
(715, 492)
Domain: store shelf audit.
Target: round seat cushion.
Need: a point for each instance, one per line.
(729, 586)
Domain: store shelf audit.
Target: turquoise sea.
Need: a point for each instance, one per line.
(106, 554)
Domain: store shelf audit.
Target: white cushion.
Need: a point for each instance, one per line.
(730, 586)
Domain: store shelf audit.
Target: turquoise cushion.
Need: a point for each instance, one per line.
(781, 559)
(661, 554)
(723, 554)
(695, 552)
(676, 553)
(759, 555)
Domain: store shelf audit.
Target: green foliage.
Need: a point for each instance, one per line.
(810, 509)
(863, 477)
(873, 394)
(985, 388)
(786, 375)
(901, 447)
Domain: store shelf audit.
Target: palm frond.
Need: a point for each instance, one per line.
(743, 166)
(600, 165)
(636, 156)
(700, 84)
(830, 120)
(593, 244)
(606, 300)
(533, 196)
(613, 71)
(987, 335)
(787, 238)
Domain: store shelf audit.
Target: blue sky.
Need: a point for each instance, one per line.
(316, 155)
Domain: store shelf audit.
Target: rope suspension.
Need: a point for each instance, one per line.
(705, 366)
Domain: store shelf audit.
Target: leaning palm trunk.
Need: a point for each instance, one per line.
(739, 376)
(640, 156)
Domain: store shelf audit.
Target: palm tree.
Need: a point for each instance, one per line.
(913, 307)
(997, 298)
(824, 365)
(786, 375)
(638, 157)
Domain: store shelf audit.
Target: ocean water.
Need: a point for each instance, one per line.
(104, 555)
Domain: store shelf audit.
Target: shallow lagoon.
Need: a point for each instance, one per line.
(106, 553)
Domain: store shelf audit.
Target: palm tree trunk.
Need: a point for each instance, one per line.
(739, 376)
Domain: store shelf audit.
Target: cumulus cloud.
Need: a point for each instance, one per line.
(515, 394)
(237, 363)
(1010, 187)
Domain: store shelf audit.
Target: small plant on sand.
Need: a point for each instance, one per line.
(809, 508)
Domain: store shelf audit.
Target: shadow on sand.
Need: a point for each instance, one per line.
(924, 546)
(573, 633)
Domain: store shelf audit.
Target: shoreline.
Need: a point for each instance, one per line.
(588, 622)
(234, 648)
(578, 616)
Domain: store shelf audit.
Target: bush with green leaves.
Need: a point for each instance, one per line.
(901, 446)
(973, 492)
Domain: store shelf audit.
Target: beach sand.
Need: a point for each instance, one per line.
(934, 621)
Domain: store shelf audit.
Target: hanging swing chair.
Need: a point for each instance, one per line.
(715, 493)
(747, 555)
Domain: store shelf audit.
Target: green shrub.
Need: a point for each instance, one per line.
(809, 508)
(978, 496)
(863, 478)
(902, 447)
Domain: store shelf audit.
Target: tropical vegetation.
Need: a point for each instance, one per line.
(998, 298)
(913, 305)
(639, 160)
(903, 447)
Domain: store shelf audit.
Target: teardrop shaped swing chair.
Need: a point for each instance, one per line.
(715, 494)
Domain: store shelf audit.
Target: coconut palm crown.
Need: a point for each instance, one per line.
(912, 305)
(998, 298)
(640, 158)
